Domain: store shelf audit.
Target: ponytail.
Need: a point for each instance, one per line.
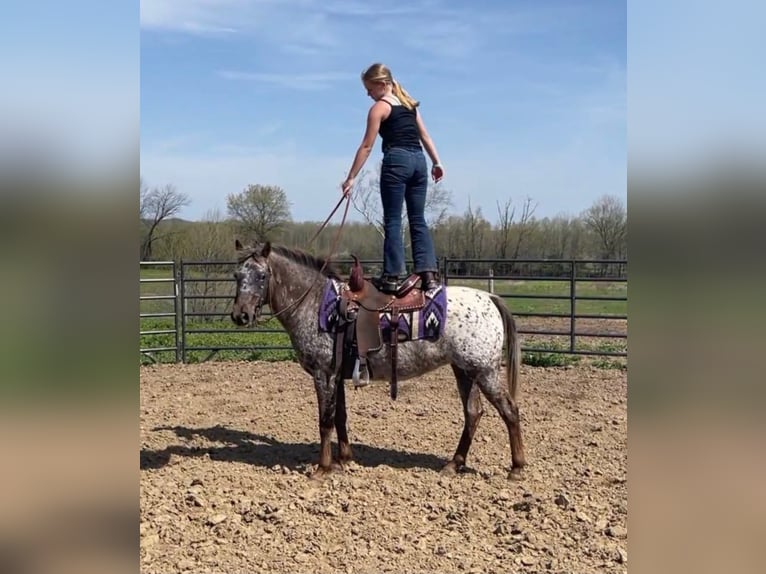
(407, 100)
(381, 73)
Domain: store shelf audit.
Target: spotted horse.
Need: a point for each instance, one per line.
(475, 336)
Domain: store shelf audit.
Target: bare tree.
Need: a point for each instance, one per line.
(438, 203)
(262, 211)
(559, 237)
(448, 236)
(366, 200)
(475, 228)
(210, 240)
(607, 219)
(526, 225)
(507, 228)
(155, 206)
(505, 215)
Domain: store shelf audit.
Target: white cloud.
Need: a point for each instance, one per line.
(312, 81)
(192, 16)
(287, 26)
(366, 9)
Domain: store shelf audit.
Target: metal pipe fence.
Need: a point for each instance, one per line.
(570, 271)
(158, 310)
(560, 306)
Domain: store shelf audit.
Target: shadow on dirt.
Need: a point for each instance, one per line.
(261, 450)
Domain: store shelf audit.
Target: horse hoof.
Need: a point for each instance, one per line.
(449, 469)
(320, 473)
(515, 474)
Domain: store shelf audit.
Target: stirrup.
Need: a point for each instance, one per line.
(387, 285)
(360, 375)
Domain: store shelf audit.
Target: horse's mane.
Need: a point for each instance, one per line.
(307, 260)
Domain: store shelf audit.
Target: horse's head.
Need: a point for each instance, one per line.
(252, 278)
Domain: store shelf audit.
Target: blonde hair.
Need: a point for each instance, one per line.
(381, 73)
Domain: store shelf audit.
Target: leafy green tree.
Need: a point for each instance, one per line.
(261, 211)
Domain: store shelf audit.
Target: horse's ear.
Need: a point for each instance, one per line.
(237, 245)
(266, 249)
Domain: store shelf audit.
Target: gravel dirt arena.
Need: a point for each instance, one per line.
(227, 447)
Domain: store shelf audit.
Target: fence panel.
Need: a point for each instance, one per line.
(576, 307)
(158, 311)
(570, 306)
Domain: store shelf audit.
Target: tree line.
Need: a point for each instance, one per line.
(260, 212)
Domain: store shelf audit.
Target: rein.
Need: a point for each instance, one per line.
(334, 246)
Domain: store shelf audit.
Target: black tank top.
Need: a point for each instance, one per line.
(399, 129)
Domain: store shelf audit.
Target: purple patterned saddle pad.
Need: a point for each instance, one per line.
(426, 323)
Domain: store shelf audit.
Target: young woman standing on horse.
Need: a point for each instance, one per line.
(403, 175)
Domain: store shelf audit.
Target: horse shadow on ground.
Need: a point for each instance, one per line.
(266, 451)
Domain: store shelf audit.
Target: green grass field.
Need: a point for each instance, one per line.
(264, 345)
(544, 288)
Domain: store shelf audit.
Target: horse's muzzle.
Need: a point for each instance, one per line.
(242, 318)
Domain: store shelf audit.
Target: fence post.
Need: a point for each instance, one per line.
(175, 311)
(491, 281)
(572, 304)
(444, 271)
(182, 305)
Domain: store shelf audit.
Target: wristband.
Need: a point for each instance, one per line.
(437, 165)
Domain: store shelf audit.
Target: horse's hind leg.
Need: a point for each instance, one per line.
(344, 448)
(509, 412)
(470, 395)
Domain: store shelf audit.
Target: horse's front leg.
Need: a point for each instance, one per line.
(344, 448)
(326, 397)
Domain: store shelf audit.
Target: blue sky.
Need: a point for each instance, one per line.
(522, 98)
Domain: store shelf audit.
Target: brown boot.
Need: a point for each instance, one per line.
(428, 281)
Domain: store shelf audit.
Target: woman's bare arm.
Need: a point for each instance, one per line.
(374, 117)
(427, 141)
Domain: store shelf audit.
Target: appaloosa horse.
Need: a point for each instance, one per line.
(295, 284)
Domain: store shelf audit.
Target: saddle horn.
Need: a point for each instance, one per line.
(356, 278)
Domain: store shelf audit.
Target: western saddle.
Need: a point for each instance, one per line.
(361, 305)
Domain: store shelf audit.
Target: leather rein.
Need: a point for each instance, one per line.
(334, 246)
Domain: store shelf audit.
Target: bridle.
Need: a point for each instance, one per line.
(264, 279)
(258, 285)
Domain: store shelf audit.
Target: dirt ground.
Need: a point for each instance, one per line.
(226, 450)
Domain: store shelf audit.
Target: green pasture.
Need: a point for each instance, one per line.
(233, 336)
(545, 288)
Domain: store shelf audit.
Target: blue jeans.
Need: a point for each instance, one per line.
(404, 177)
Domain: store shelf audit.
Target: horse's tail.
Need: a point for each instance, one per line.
(513, 360)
